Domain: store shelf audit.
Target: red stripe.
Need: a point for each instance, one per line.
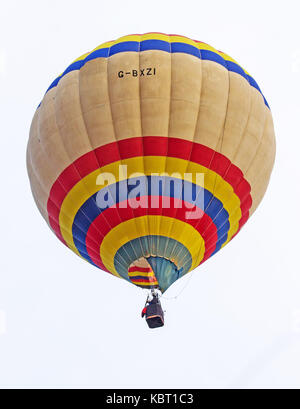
(140, 280)
(145, 146)
(141, 269)
(99, 228)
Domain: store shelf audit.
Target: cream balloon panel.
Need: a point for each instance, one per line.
(191, 99)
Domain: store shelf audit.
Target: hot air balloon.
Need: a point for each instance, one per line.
(148, 154)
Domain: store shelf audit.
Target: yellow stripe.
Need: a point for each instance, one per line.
(104, 45)
(134, 228)
(204, 46)
(227, 57)
(162, 37)
(84, 189)
(132, 37)
(179, 39)
(141, 274)
(82, 57)
(155, 36)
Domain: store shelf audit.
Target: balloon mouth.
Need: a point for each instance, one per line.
(141, 273)
(153, 272)
(163, 260)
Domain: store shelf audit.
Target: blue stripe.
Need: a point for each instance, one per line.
(115, 193)
(255, 85)
(54, 83)
(73, 67)
(211, 56)
(123, 47)
(102, 53)
(155, 45)
(186, 49)
(145, 278)
(160, 45)
(233, 67)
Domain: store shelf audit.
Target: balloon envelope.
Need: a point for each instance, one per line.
(147, 155)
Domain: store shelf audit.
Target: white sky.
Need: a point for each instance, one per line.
(65, 323)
